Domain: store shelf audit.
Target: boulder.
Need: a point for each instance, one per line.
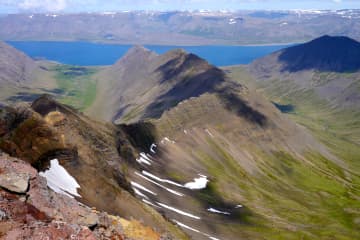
(15, 182)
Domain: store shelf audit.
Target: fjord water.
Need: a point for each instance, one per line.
(93, 54)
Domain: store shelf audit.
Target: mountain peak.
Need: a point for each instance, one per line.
(327, 53)
(135, 53)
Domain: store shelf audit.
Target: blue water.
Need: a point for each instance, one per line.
(92, 54)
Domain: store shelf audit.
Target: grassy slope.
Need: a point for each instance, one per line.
(76, 84)
(290, 197)
(72, 85)
(331, 194)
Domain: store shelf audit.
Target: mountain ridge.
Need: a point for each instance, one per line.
(164, 80)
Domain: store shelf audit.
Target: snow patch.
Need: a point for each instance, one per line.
(144, 159)
(150, 203)
(209, 133)
(186, 226)
(59, 180)
(213, 210)
(232, 21)
(137, 192)
(161, 179)
(194, 230)
(159, 185)
(178, 211)
(136, 185)
(239, 206)
(152, 148)
(198, 183)
(165, 140)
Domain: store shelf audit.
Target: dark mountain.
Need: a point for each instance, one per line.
(15, 66)
(328, 66)
(332, 54)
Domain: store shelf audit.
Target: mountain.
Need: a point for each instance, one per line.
(192, 148)
(217, 158)
(48, 130)
(21, 77)
(329, 66)
(180, 28)
(15, 66)
(322, 97)
(143, 84)
(326, 54)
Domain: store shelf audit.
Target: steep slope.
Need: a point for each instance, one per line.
(143, 84)
(323, 99)
(219, 160)
(86, 149)
(22, 78)
(15, 66)
(326, 102)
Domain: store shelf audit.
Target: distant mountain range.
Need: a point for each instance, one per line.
(182, 28)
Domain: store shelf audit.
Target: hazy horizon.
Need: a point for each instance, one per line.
(76, 6)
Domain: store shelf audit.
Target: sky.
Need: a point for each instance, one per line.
(15, 6)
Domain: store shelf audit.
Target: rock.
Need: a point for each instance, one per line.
(90, 220)
(3, 215)
(18, 183)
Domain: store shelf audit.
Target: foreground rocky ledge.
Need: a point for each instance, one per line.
(30, 210)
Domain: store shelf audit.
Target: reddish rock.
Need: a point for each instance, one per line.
(44, 214)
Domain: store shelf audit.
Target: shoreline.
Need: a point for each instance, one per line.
(159, 44)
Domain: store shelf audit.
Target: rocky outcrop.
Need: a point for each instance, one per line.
(87, 150)
(39, 213)
(17, 183)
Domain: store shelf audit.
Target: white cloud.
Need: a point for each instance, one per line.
(43, 5)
